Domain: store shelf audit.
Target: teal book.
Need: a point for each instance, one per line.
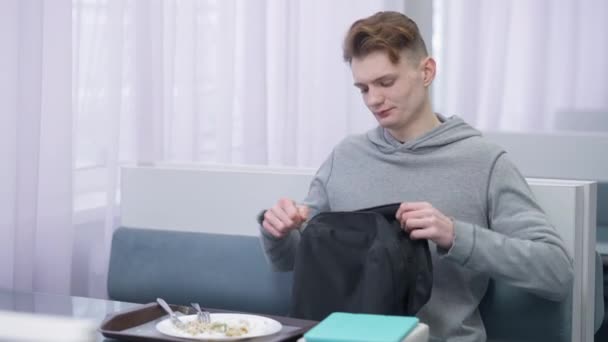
(343, 327)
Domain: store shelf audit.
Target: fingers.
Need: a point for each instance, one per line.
(422, 228)
(422, 221)
(287, 212)
(408, 215)
(273, 231)
(427, 234)
(417, 223)
(273, 219)
(411, 206)
(303, 211)
(443, 235)
(284, 217)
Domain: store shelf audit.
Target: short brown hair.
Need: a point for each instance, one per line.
(391, 32)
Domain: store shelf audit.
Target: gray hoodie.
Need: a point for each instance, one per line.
(500, 231)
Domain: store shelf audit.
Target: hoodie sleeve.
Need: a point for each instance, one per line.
(521, 247)
(281, 253)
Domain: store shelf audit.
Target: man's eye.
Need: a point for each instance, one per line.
(363, 90)
(387, 83)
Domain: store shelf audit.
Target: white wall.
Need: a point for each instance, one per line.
(212, 198)
(564, 155)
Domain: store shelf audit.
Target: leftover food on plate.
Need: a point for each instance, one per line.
(196, 327)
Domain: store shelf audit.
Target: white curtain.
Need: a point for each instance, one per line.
(36, 166)
(89, 85)
(523, 65)
(249, 81)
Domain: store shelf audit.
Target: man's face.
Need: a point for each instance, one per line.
(394, 93)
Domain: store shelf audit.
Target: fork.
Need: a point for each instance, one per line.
(202, 316)
(172, 316)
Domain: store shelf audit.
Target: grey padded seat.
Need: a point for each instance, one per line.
(217, 271)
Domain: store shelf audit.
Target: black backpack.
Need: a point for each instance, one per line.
(360, 262)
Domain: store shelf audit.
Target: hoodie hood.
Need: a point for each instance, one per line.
(450, 130)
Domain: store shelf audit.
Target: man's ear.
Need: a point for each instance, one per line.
(429, 68)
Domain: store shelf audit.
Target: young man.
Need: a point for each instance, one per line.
(457, 190)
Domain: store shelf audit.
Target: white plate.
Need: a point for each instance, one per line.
(258, 326)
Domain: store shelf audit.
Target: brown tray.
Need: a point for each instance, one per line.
(139, 324)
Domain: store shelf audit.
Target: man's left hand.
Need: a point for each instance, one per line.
(423, 221)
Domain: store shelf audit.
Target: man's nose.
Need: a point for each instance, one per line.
(374, 97)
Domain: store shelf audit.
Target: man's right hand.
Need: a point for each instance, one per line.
(284, 217)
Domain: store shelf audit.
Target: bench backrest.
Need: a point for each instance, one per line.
(215, 270)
